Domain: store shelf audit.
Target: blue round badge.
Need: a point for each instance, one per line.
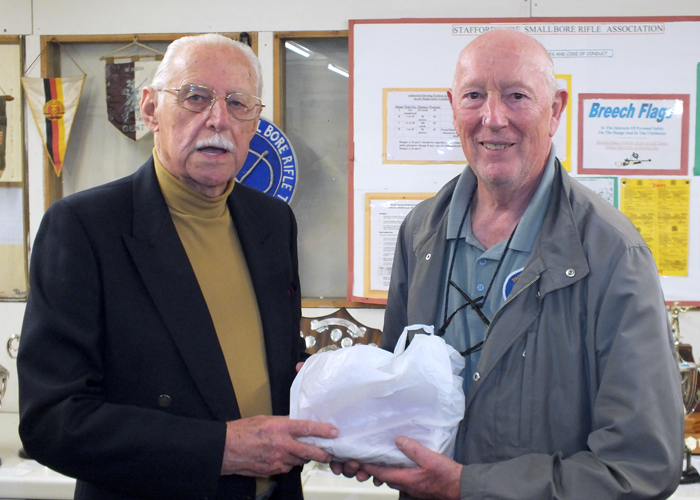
(510, 282)
(271, 165)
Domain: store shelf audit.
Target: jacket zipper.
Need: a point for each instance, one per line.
(488, 329)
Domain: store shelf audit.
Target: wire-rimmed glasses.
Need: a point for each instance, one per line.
(198, 98)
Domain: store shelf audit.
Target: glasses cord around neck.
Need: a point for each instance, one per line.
(479, 301)
(454, 254)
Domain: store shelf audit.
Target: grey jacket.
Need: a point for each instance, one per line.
(577, 393)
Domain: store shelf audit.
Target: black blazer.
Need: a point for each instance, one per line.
(122, 381)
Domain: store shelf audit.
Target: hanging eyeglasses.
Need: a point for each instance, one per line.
(476, 305)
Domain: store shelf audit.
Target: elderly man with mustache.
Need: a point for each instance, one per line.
(161, 333)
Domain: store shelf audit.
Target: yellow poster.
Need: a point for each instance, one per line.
(659, 210)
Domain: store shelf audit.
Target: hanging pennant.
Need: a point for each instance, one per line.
(124, 82)
(53, 102)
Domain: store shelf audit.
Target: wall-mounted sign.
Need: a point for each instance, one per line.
(622, 134)
(271, 166)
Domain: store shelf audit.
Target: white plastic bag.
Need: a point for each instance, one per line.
(372, 396)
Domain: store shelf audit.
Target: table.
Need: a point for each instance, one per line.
(26, 479)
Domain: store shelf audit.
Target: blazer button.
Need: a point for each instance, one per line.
(476, 377)
(164, 400)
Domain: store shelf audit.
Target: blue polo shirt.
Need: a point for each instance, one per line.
(474, 266)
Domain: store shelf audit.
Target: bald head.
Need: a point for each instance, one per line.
(499, 43)
(506, 110)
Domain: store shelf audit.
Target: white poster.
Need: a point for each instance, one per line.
(606, 187)
(649, 63)
(385, 218)
(640, 134)
(419, 127)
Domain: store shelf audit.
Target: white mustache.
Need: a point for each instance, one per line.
(216, 141)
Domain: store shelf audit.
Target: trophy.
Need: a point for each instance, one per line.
(4, 376)
(690, 389)
(4, 372)
(335, 331)
(12, 350)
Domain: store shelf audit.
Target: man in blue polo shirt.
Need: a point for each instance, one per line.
(552, 296)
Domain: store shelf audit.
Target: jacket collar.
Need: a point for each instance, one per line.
(162, 262)
(557, 249)
(558, 256)
(261, 249)
(557, 261)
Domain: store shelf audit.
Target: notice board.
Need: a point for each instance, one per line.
(629, 130)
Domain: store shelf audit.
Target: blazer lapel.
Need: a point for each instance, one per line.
(258, 244)
(169, 278)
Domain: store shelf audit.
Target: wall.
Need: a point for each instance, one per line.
(56, 17)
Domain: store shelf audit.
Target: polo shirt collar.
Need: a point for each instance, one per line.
(529, 225)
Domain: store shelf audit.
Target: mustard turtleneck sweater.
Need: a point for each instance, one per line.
(208, 234)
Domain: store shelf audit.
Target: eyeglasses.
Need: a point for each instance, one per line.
(476, 306)
(198, 99)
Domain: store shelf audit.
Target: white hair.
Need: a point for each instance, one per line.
(166, 68)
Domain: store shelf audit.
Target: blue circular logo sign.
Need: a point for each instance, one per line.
(271, 166)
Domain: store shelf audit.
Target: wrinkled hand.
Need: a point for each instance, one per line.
(263, 446)
(436, 476)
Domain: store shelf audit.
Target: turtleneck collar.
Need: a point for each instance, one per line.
(182, 198)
